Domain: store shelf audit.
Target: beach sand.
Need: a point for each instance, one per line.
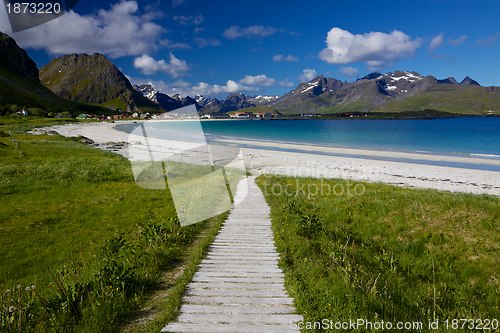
(452, 173)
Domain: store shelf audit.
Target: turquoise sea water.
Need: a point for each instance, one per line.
(478, 136)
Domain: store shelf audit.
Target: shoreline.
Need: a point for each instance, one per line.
(397, 168)
(290, 146)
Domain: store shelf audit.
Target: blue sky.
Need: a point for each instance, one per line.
(269, 47)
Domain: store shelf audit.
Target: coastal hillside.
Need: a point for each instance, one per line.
(307, 90)
(19, 80)
(471, 99)
(93, 79)
(397, 92)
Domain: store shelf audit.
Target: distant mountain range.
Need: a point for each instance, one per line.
(375, 92)
(78, 80)
(233, 102)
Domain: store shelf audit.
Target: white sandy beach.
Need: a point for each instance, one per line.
(316, 161)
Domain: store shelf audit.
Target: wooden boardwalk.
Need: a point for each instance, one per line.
(239, 286)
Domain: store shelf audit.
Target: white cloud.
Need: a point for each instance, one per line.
(279, 57)
(286, 83)
(174, 46)
(197, 30)
(148, 65)
(488, 42)
(308, 75)
(202, 42)
(176, 3)
(259, 80)
(117, 32)
(254, 31)
(231, 86)
(349, 71)
(436, 41)
(375, 65)
(375, 47)
(181, 83)
(187, 20)
(439, 41)
(264, 81)
(184, 88)
(457, 42)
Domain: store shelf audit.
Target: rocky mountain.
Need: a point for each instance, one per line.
(163, 100)
(469, 82)
(238, 101)
(233, 102)
(15, 59)
(93, 79)
(19, 80)
(398, 91)
(207, 102)
(370, 76)
(307, 90)
(394, 92)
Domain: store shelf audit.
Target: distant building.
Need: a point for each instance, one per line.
(240, 115)
(215, 116)
(263, 115)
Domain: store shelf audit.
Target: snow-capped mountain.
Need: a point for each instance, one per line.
(369, 92)
(262, 99)
(377, 91)
(166, 102)
(401, 82)
(231, 103)
(207, 101)
(148, 91)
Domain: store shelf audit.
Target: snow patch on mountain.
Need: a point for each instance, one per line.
(311, 86)
(410, 77)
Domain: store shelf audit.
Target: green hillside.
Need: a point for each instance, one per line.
(450, 98)
(93, 79)
(20, 84)
(260, 109)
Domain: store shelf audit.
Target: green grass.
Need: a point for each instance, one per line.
(258, 109)
(386, 253)
(351, 107)
(74, 224)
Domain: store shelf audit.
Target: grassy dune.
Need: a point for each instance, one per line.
(385, 252)
(81, 244)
